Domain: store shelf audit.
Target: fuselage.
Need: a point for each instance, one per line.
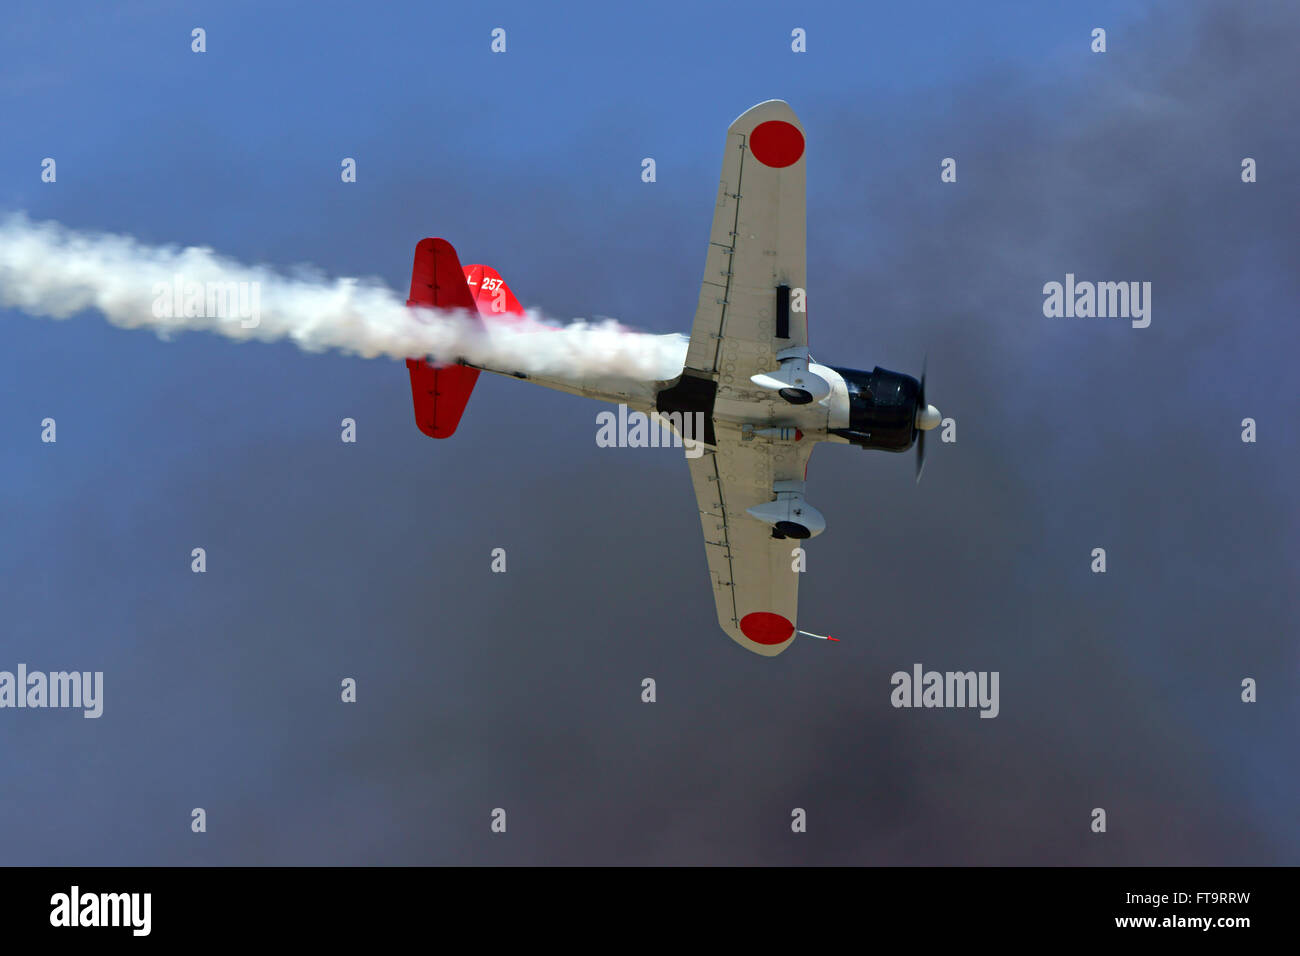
(872, 409)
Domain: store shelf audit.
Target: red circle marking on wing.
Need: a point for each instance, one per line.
(764, 627)
(776, 143)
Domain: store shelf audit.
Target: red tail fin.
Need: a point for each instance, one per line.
(495, 300)
(440, 393)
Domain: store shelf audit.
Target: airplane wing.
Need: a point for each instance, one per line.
(755, 586)
(755, 262)
(756, 248)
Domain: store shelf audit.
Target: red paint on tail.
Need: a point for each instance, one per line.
(493, 296)
(439, 392)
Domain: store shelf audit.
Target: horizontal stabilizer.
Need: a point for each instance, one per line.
(439, 392)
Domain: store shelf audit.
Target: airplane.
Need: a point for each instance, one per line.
(763, 400)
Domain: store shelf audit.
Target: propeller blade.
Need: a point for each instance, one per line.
(920, 433)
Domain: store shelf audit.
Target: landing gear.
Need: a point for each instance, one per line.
(790, 516)
(791, 529)
(794, 381)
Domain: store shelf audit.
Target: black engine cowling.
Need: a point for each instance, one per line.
(882, 409)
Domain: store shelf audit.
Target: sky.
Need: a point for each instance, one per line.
(522, 691)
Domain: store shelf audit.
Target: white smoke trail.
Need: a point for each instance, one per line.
(51, 271)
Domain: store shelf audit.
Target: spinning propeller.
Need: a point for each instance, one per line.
(927, 417)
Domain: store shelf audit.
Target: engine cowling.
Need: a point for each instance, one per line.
(882, 409)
